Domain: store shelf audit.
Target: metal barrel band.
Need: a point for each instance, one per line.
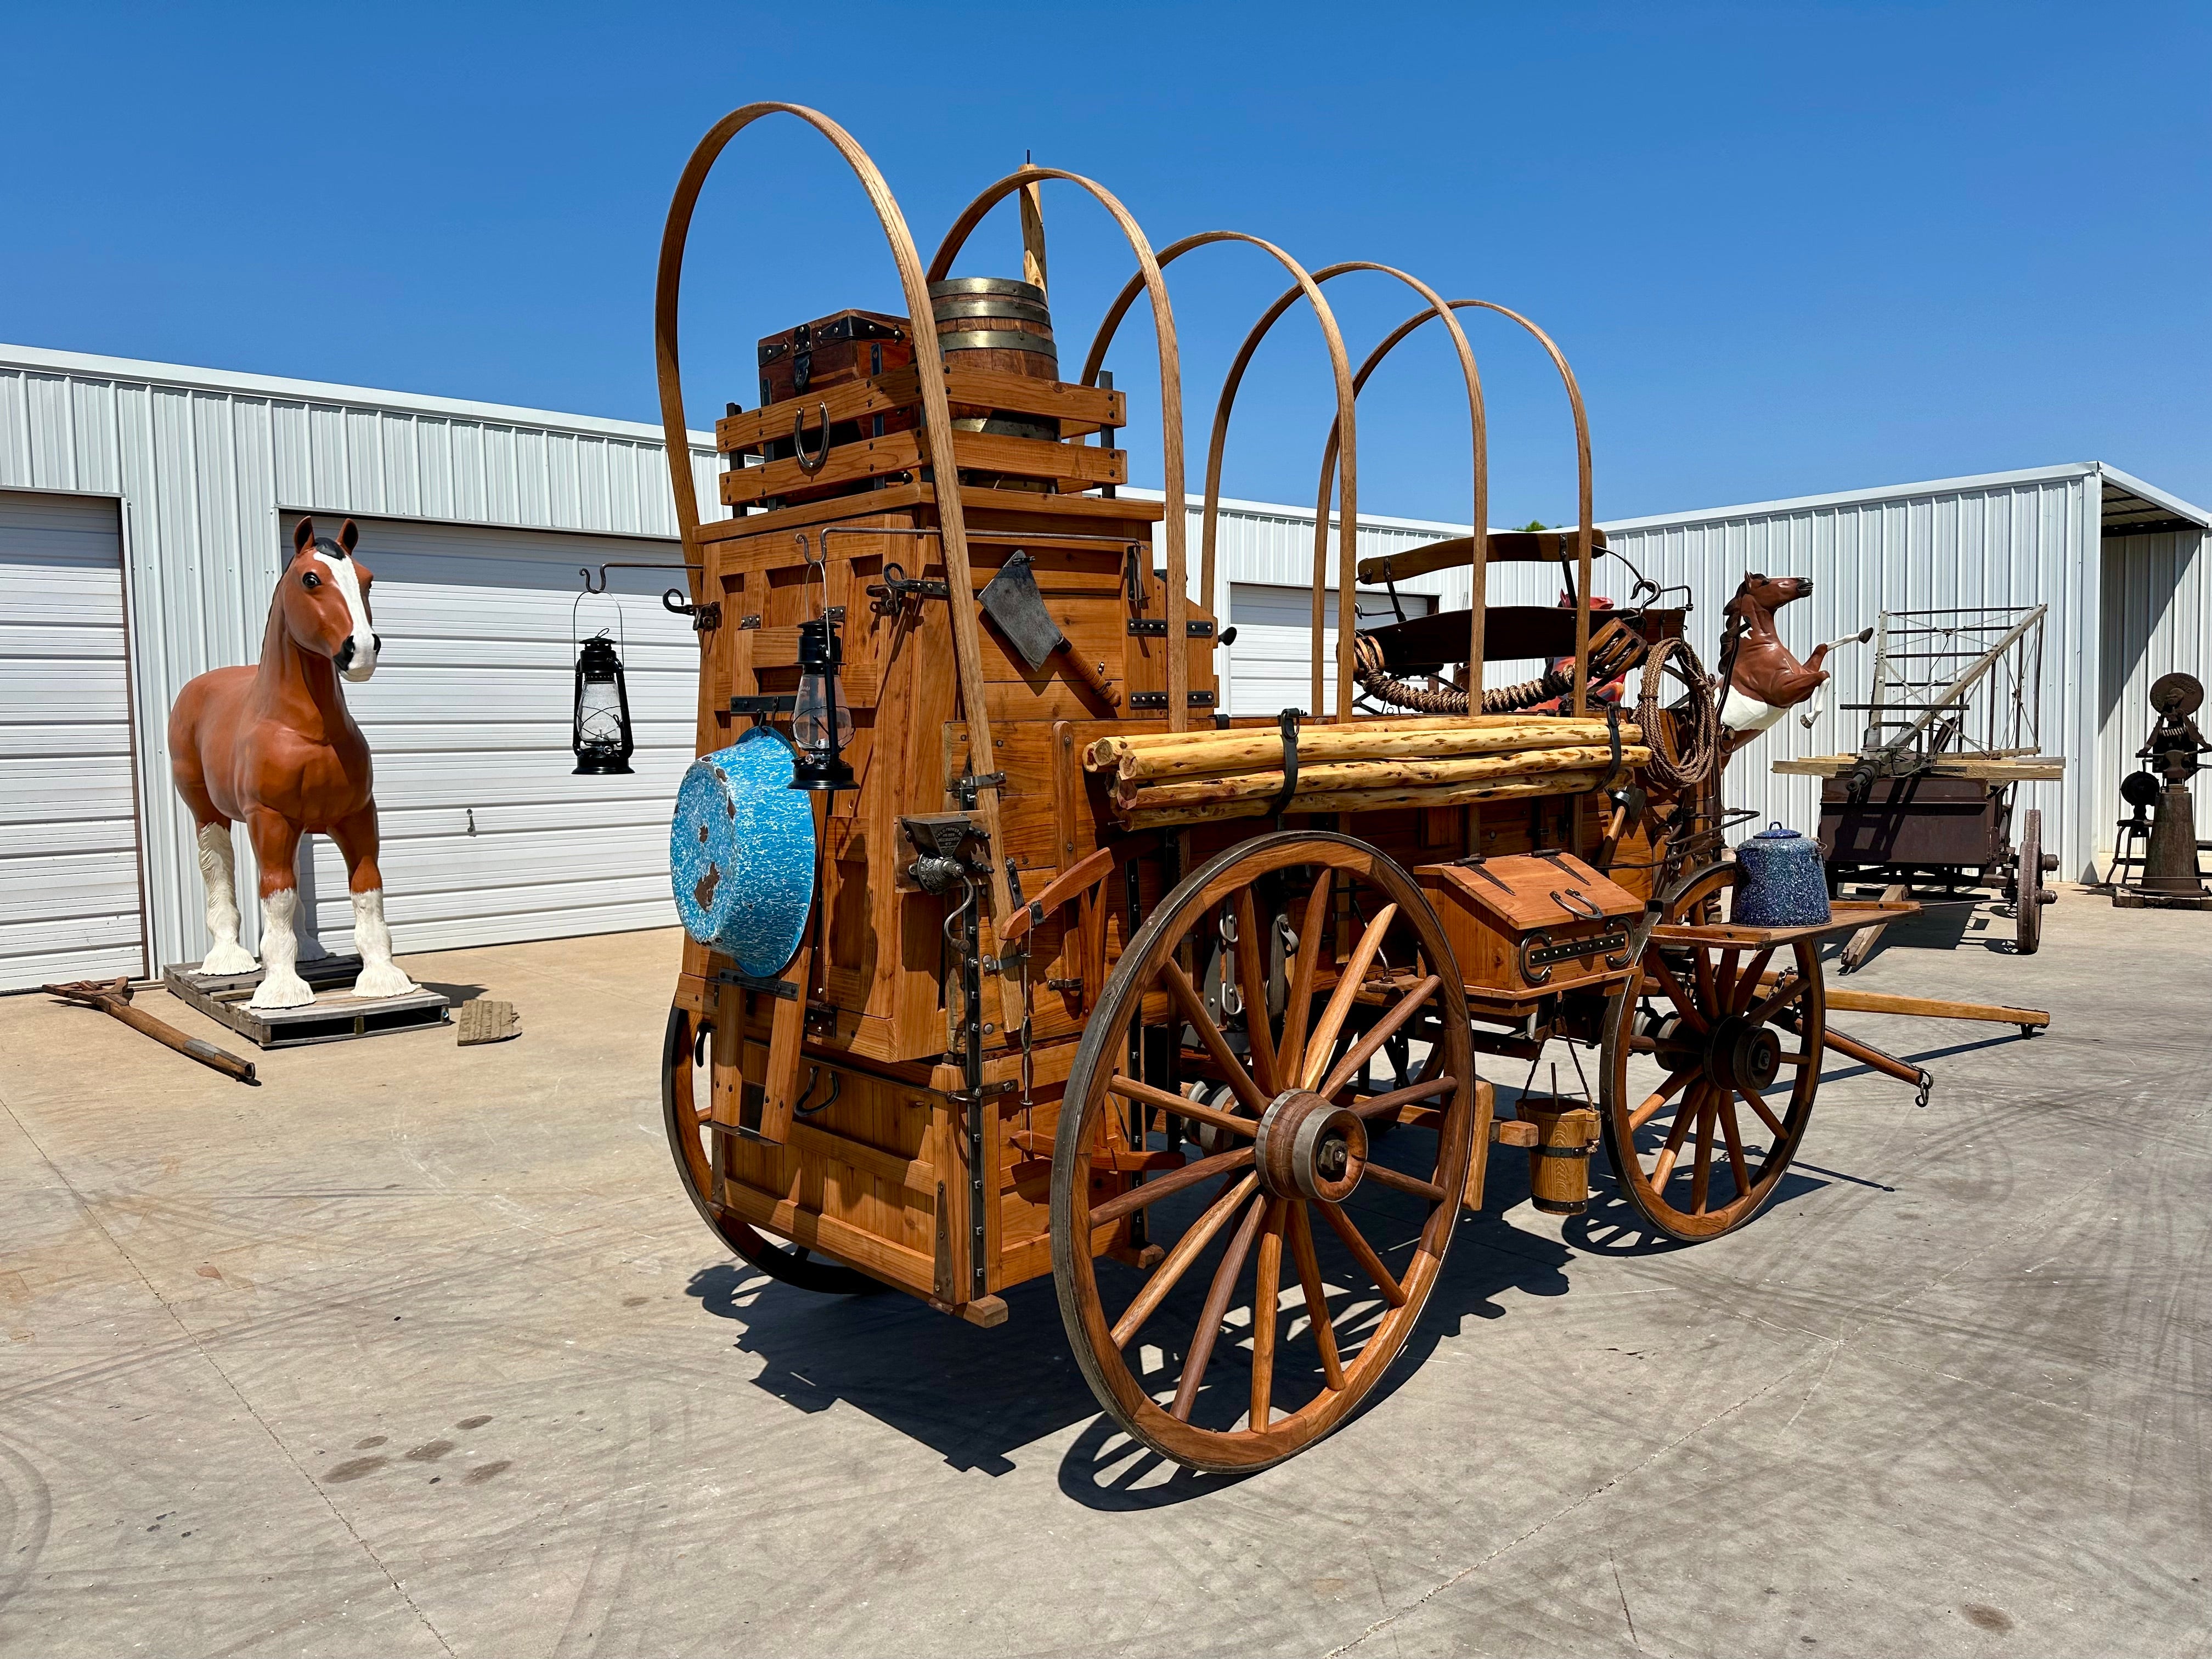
(954, 310)
(999, 339)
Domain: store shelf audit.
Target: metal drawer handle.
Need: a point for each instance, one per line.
(1574, 904)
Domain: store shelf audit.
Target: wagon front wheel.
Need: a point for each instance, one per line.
(1712, 1057)
(693, 1143)
(1233, 1297)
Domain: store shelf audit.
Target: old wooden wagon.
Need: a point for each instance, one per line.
(1190, 1013)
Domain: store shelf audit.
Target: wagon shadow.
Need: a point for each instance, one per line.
(978, 1397)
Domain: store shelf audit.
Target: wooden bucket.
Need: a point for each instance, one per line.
(1559, 1163)
(999, 324)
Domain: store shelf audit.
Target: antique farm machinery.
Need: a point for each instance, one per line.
(1045, 966)
(1927, 804)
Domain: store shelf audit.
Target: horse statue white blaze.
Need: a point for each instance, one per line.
(274, 747)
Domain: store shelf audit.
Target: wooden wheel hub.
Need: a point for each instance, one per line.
(1307, 1148)
(1743, 1055)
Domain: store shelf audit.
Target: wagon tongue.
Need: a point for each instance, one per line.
(1012, 602)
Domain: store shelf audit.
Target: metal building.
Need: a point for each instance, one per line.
(143, 508)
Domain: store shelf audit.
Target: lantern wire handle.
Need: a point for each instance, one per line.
(818, 566)
(622, 626)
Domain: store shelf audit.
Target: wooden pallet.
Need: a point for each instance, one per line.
(335, 1014)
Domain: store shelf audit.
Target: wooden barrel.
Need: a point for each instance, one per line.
(997, 324)
(1559, 1163)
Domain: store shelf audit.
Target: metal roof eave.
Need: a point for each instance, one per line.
(1850, 497)
(40, 359)
(2157, 497)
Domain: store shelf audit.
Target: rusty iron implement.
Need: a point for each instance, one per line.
(114, 996)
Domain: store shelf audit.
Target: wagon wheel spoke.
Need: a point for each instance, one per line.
(1683, 1115)
(1194, 1009)
(1174, 1181)
(1746, 986)
(1781, 997)
(1753, 1099)
(1724, 967)
(1266, 1295)
(1656, 1101)
(1733, 1133)
(1708, 993)
(1290, 1054)
(1199, 1353)
(1316, 1294)
(1130, 1088)
(1701, 1173)
(1316, 1059)
(1404, 1096)
(1382, 1174)
(1656, 965)
(1169, 1272)
(1378, 1034)
(1252, 982)
(1364, 1253)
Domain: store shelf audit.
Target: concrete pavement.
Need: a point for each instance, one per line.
(421, 1350)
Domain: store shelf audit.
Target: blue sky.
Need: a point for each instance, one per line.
(1789, 248)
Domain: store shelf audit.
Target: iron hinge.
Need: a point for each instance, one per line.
(1160, 700)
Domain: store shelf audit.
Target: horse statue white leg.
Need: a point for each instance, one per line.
(276, 849)
(219, 875)
(281, 985)
(379, 976)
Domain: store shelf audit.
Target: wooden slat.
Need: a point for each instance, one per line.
(2001, 768)
(1079, 409)
(1079, 464)
(1505, 547)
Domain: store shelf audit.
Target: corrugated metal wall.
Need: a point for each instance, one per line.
(209, 466)
(2156, 617)
(2025, 540)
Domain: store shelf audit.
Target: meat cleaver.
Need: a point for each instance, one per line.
(1015, 607)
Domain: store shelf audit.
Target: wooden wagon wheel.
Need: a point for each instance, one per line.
(1680, 1141)
(692, 1142)
(2028, 888)
(1286, 1175)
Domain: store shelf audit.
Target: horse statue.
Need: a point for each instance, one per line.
(274, 745)
(1764, 681)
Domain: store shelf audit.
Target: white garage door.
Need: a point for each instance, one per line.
(70, 905)
(1270, 659)
(488, 835)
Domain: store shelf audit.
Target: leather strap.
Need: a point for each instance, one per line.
(1612, 735)
(1287, 723)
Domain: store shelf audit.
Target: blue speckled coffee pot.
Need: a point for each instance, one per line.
(1784, 884)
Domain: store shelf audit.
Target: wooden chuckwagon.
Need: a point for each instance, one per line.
(1185, 1012)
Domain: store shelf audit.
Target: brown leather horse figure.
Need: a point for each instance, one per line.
(1764, 681)
(274, 745)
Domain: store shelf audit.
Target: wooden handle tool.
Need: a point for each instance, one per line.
(114, 996)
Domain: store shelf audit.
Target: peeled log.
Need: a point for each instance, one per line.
(1374, 800)
(1368, 776)
(1197, 754)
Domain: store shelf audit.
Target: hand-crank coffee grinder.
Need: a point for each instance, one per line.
(2170, 878)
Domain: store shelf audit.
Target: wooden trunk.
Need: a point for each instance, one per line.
(1532, 924)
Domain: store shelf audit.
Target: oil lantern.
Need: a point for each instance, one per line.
(821, 720)
(601, 736)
